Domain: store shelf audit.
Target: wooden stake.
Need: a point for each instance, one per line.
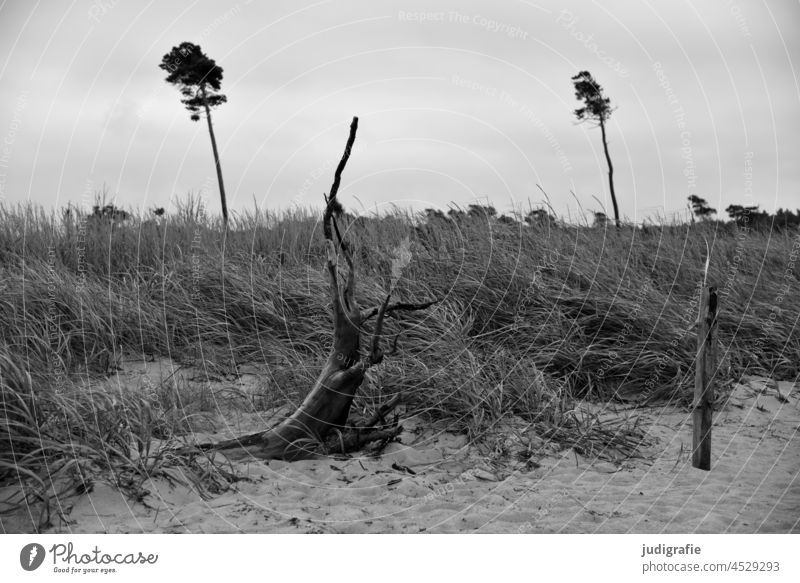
(704, 379)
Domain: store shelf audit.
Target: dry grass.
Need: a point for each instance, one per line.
(531, 319)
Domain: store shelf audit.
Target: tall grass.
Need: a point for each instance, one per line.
(531, 317)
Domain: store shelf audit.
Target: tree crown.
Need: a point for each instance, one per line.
(198, 77)
(700, 206)
(596, 106)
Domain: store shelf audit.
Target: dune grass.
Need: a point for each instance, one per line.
(531, 318)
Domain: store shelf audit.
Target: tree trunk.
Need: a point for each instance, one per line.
(223, 200)
(328, 403)
(610, 172)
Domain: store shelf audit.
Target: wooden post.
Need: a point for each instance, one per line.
(704, 379)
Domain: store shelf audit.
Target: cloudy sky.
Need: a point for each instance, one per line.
(458, 101)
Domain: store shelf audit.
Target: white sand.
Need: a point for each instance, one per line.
(753, 486)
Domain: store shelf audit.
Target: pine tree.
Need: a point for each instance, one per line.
(596, 108)
(199, 79)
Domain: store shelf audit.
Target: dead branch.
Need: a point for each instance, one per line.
(399, 306)
(376, 354)
(383, 410)
(333, 205)
(353, 439)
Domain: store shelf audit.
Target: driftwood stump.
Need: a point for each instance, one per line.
(327, 405)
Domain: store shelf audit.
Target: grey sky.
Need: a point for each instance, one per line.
(458, 101)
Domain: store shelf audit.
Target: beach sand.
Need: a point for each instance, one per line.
(435, 481)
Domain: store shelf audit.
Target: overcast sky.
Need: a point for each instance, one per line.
(458, 101)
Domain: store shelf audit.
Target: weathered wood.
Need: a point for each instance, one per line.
(706, 368)
(327, 405)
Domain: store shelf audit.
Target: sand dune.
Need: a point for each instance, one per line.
(434, 481)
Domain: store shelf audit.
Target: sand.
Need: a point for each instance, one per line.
(435, 481)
